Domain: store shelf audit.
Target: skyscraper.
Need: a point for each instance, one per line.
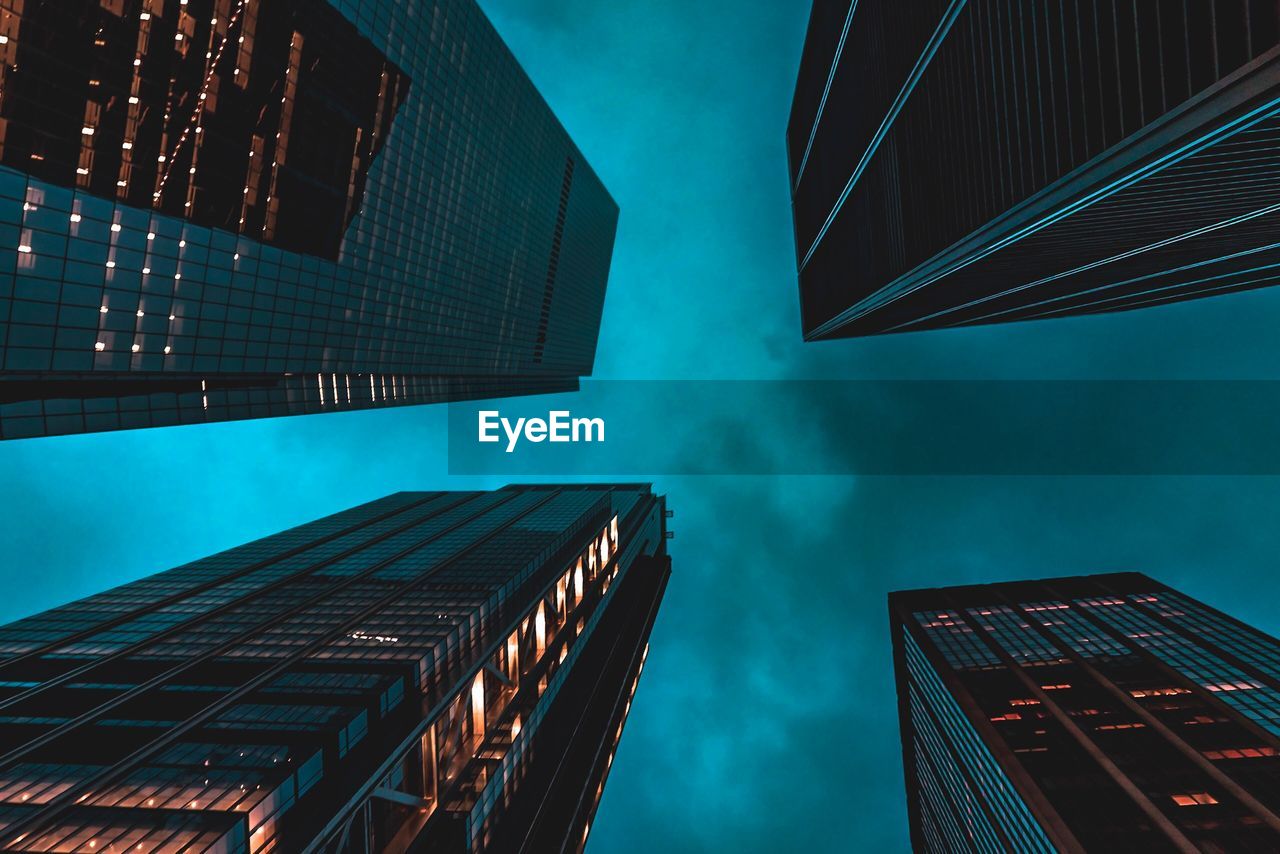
(957, 163)
(429, 671)
(220, 209)
(1101, 713)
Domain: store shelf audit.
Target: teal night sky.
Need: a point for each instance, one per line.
(766, 719)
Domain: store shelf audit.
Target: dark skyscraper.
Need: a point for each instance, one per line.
(1103, 713)
(220, 209)
(429, 671)
(958, 163)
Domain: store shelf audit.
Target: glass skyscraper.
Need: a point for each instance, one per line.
(425, 672)
(219, 209)
(1098, 713)
(959, 162)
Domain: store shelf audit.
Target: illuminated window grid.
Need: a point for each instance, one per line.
(85, 613)
(37, 783)
(425, 644)
(555, 605)
(229, 624)
(954, 638)
(1074, 631)
(195, 831)
(331, 611)
(262, 792)
(561, 613)
(1254, 648)
(435, 145)
(1022, 643)
(303, 701)
(1228, 683)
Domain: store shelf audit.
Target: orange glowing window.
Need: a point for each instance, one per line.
(1061, 687)
(1159, 692)
(1240, 753)
(1194, 799)
(1232, 686)
(1024, 702)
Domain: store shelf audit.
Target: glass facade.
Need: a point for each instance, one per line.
(958, 162)
(218, 209)
(1093, 713)
(442, 670)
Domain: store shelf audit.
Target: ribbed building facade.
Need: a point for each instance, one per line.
(426, 672)
(1097, 713)
(222, 209)
(959, 162)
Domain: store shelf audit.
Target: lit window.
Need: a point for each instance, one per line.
(1240, 753)
(477, 705)
(540, 628)
(1232, 686)
(1194, 799)
(1159, 692)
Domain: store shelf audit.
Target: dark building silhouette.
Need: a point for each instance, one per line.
(218, 209)
(958, 163)
(1101, 713)
(425, 672)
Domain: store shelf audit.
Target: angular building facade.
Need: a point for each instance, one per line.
(1099, 713)
(221, 209)
(957, 163)
(425, 672)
